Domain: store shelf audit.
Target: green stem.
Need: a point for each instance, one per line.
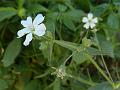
(69, 57)
(96, 65)
(89, 75)
(100, 70)
(45, 37)
(103, 57)
(83, 81)
(86, 33)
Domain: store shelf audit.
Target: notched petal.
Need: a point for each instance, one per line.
(40, 30)
(27, 23)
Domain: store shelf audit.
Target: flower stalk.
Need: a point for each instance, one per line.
(102, 56)
(100, 70)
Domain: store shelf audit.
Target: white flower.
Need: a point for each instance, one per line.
(36, 27)
(89, 21)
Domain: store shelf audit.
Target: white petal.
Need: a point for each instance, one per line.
(38, 19)
(40, 30)
(92, 25)
(27, 23)
(95, 20)
(28, 39)
(86, 25)
(22, 32)
(85, 20)
(90, 16)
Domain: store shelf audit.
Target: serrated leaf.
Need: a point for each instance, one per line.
(7, 13)
(11, 52)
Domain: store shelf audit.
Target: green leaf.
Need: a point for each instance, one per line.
(11, 52)
(62, 8)
(79, 57)
(75, 85)
(102, 86)
(2, 25)
(36, 8)
(51, 22)
(57, 84)
(84, 4)
(50, 25)
(100, 9)
(20, 3)
(43, 45)
(117, 52)
(116, 2)
(7, 13)
(107, 48)
(68, 45)
(72, 16)
(3, 84)
(94, 51)
(113, 21)
(75, 15)
(52, 16)
(47, 47)
(32, 85)
(67, 20)
(106, 45)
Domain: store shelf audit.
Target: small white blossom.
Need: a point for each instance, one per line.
(60, 72)
(89, 21)
(32, 28)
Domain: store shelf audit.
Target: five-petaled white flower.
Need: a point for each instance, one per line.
(32, 28)
(89, 21)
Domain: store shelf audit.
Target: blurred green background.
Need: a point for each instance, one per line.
(29, 68)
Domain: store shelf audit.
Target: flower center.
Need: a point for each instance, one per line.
(90, 20)
(32, 28)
